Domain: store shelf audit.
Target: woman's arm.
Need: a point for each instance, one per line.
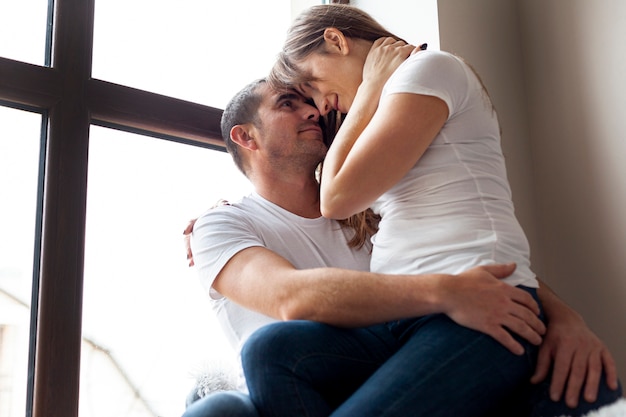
(392, 135)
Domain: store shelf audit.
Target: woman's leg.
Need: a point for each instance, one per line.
(442, 369)
(303, 368)
(222, 404)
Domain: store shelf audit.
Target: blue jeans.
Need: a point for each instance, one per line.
(428, 366)
(222, 404)
(424, 367)
(537, 404)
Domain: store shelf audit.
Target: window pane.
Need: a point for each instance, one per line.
(417, 23)
(147, 324)
(19, 161)
(196, 50)
(23, 30)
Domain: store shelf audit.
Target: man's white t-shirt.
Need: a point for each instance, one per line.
(222, 232)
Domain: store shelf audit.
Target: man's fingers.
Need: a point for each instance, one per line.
(610, 369)
(501, 270)
(578, 372)
(511, 324)
(560, 374)
(592, 382)
(526, 300)
(505, 338)
(524, 329)
(528, 316)
(544, 361)
(523, 319)
(187, 240)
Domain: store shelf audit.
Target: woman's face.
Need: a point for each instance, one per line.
(337, 78)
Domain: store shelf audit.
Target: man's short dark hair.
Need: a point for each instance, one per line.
(241, 109)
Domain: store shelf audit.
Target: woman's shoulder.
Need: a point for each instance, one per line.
(432, 67)
(436, 59)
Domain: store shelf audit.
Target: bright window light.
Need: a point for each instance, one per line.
(20, 133)
(148, 330)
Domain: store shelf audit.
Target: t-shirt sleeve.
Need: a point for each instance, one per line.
(218, 235)
(432, 73)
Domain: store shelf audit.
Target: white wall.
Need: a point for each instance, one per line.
(556, 71)
(413, 20)
(576, 82)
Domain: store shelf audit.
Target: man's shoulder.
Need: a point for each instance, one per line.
(231, 206)
(248, 210)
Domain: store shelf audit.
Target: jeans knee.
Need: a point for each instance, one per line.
(279, 345)
(222, 404)
(263, 342)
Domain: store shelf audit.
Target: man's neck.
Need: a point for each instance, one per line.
(300, 198)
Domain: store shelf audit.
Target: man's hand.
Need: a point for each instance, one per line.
(187, 241)
(479, 300)
(577, 356)
(189, 229)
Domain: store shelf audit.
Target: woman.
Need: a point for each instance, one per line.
(421, 147)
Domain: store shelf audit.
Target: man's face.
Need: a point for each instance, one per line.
(288, 130)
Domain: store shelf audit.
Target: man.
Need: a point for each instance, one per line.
(273, 257)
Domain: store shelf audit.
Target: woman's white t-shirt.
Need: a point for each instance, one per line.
(453, 210)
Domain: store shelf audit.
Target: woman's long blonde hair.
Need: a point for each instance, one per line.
(306, 35)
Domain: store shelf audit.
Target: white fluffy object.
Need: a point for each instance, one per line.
(215, 376)
(617, 409)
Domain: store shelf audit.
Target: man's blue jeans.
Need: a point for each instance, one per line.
(428, 366)
(222, 404)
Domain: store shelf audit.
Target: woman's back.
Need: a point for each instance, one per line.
(453, 209)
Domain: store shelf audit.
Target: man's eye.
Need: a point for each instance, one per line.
(287, 103)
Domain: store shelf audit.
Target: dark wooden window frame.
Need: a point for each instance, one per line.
(71, 100)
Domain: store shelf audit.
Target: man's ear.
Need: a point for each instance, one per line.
(336, 41)
(241, 136)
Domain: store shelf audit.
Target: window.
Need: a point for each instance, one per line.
(154, 128)
(128, 89)
(20, 133)
(189, 49)
(24, 20)
(148, 330)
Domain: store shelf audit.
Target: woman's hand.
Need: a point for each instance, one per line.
(384, 57)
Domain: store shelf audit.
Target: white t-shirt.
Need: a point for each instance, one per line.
(453, 209)
(222, 232)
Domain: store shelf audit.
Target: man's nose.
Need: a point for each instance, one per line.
(312, 113)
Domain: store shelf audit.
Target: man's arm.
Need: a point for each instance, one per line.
(576, 354)
(260, 280)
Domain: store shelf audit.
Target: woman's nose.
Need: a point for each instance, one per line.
(324, 106)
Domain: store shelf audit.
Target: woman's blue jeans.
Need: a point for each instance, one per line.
(429, 366)
(424, 367)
